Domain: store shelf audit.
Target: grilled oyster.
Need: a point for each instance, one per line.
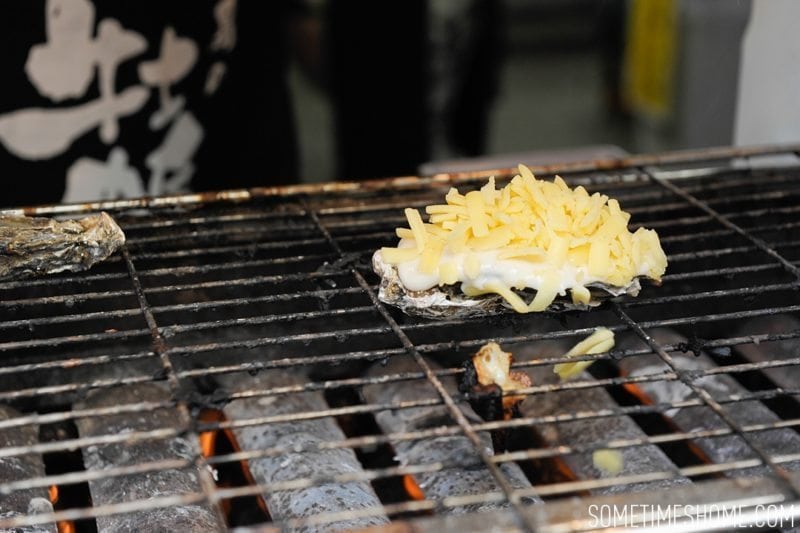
(532, 245)
(36, 246)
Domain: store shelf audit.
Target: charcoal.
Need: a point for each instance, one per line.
(37, 246)
(22, 467)
(148, 485)
(301, 435)
(698, 418)
(593, 431)
(475, 478)
(787, 377)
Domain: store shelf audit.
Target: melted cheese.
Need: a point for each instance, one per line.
(530, 234)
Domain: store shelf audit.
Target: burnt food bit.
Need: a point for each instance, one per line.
(487, 380)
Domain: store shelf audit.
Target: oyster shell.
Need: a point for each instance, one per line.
(450, 302)
(31, 246)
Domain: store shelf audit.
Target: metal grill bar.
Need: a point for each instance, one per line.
(784, 349)
(159, 347)
(634, 211)
(72, 363)
(20, 393)
(707, 399)
(265, 341)
(12, 324)
(306, 304)
(577, 439)
(79, 317)
(421, 468)
(50, 418)
(150, 504)
(233, 249)
(452, 408)
(66, 299)
(85, 278)
(367, 441)
(760, 244)
(461, 478)
(287, 498)
(452, 502)
(31, 500)
(378, 354)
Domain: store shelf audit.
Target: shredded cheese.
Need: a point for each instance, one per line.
(552, 237)
(601, 341)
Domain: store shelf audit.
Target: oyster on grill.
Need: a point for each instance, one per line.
(530, 246)
(449, 302)
(33, 246)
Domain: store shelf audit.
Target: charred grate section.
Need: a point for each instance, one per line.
(260, 306)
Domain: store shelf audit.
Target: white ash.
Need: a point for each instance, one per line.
(719, 449)
(299, 435)
(473, 478)
(172, 482)
(593, 431)
(19, 468)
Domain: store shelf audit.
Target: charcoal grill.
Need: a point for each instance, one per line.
(236, 344)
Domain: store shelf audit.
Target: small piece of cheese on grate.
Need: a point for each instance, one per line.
(609, 461)
(601, 341)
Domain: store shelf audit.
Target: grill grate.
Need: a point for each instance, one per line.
(216, 297)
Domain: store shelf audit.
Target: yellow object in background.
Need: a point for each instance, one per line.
(650, 55)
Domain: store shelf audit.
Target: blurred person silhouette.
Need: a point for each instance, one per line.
(105, 99)
(410, 81)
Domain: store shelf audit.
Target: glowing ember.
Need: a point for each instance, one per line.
(209, 441)
(64, 526)
(412, 488)
(641, 396)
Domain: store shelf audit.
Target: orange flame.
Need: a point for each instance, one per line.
(412, 488)
(208, 444)
(64, 526)
(208, 439)
(645, 399)
(638, 393)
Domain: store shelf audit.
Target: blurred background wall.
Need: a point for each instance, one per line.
(643, 75)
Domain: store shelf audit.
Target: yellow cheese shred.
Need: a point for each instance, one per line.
(417, 227)
(546, 224)
(601, 341)
(609, 461)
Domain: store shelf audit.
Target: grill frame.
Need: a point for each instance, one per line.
(314, 205)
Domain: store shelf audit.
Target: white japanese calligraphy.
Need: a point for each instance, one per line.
(77, 52)
(225, 36)
(89, 178)
(175, 156)
(62, 68)
(176, 59)
(39, 133)
(215, 74)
